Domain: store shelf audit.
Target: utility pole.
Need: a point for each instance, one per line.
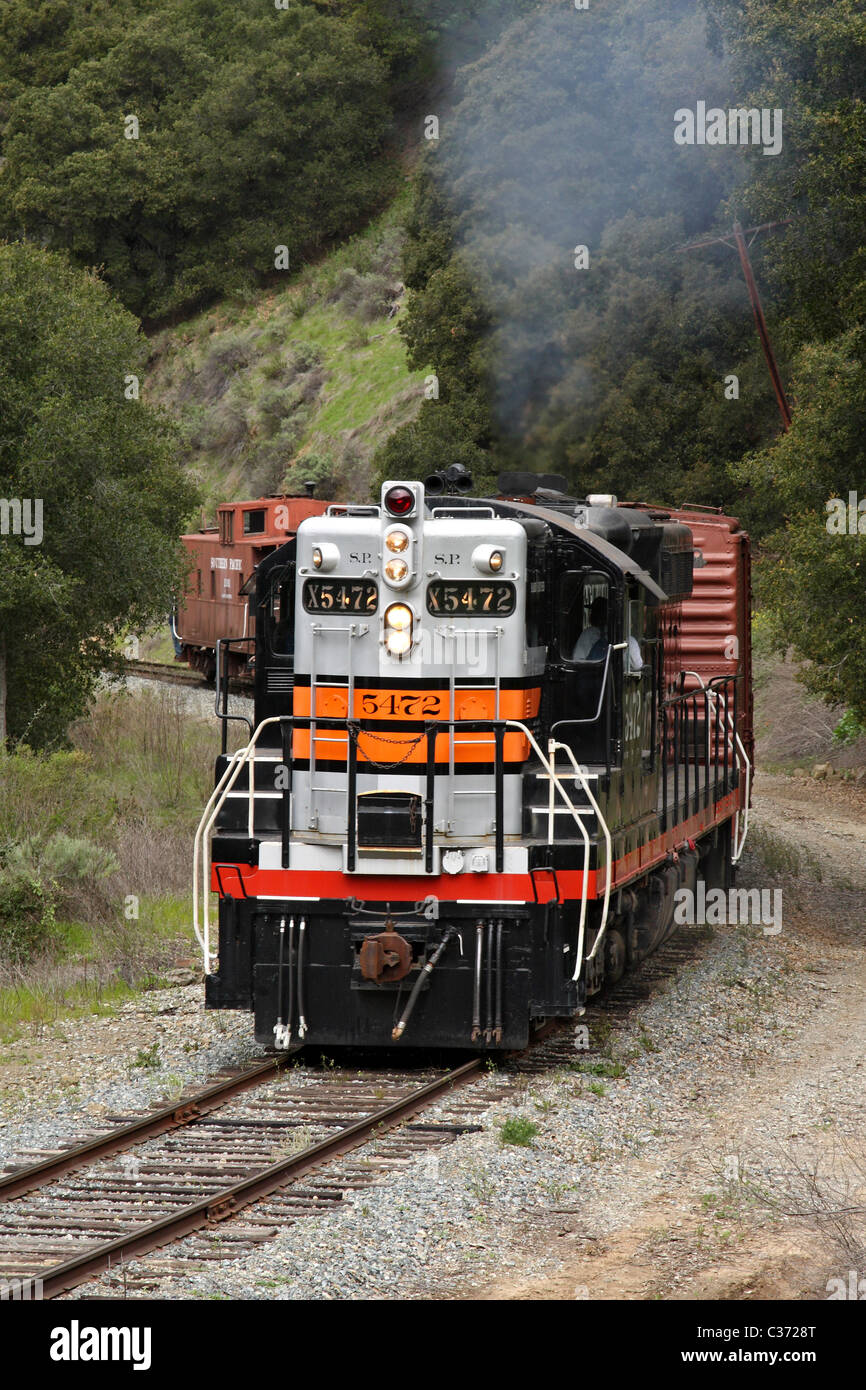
(737, 239)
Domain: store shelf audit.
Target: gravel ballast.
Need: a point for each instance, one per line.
(653, 1183)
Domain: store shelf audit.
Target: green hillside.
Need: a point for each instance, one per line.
(177, 149)
(299, 381)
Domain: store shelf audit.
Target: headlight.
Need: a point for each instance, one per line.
(396, 541)
(398, 629)
(396, 571)
(325, 556)
(489, 559)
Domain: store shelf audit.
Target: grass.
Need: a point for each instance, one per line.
(148, 1058)
(105, 829)
(157, 646)
(37, 1008)
(778, 855)
(607, 1067)
(154, 760)
(300, 382)
(519, 1131)
(781, 857)
(480, 1184)
(602, 1035)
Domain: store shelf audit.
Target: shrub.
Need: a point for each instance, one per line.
(314, 467)
(27, 920)
(274, 404)
(369, 297)
(229, 353)
(848, 730)
(43, 873)
(302, 357)
(62, 858)
(518, 1130)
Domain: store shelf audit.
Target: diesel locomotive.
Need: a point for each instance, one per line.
(493, 736)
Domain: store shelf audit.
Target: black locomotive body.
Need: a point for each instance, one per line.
(478, 773)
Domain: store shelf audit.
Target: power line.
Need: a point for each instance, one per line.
(736, 239)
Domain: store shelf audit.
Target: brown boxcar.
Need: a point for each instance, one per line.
(709, 634)
(715, 630)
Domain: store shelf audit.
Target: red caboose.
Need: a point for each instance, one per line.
(215, 604)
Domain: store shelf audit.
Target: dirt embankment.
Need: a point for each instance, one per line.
(755, 1199)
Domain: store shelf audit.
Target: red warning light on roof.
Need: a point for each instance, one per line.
(399, 501)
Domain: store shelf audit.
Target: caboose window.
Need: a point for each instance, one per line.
(254, 522)
(227, 527)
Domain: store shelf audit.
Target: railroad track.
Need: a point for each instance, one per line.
(275, 1138)
(182, 675)
(122, 1194)
(162, 671)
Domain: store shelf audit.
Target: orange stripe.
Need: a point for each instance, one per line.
(332, 702)
(399, 706)
(392, 747)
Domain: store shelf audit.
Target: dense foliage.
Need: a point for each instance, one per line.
(102, 467)
(614, 375)
(179, 144)
(618, 375)
(249, 136)
(808, 58)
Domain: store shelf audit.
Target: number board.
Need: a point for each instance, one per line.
(392, 702)
(471, 598)
(340, 596)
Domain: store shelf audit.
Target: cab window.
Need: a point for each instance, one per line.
(583, 608)
(281, 611)
(634, 657)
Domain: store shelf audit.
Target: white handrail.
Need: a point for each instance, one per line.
(196, 850)
(603, 826)
(584, 889)
(246, 756)
(552, 774)
(201, 844)
(739, 843)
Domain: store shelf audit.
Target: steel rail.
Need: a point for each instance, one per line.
(58, 1279)
(181, 675)
(126, 1136)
